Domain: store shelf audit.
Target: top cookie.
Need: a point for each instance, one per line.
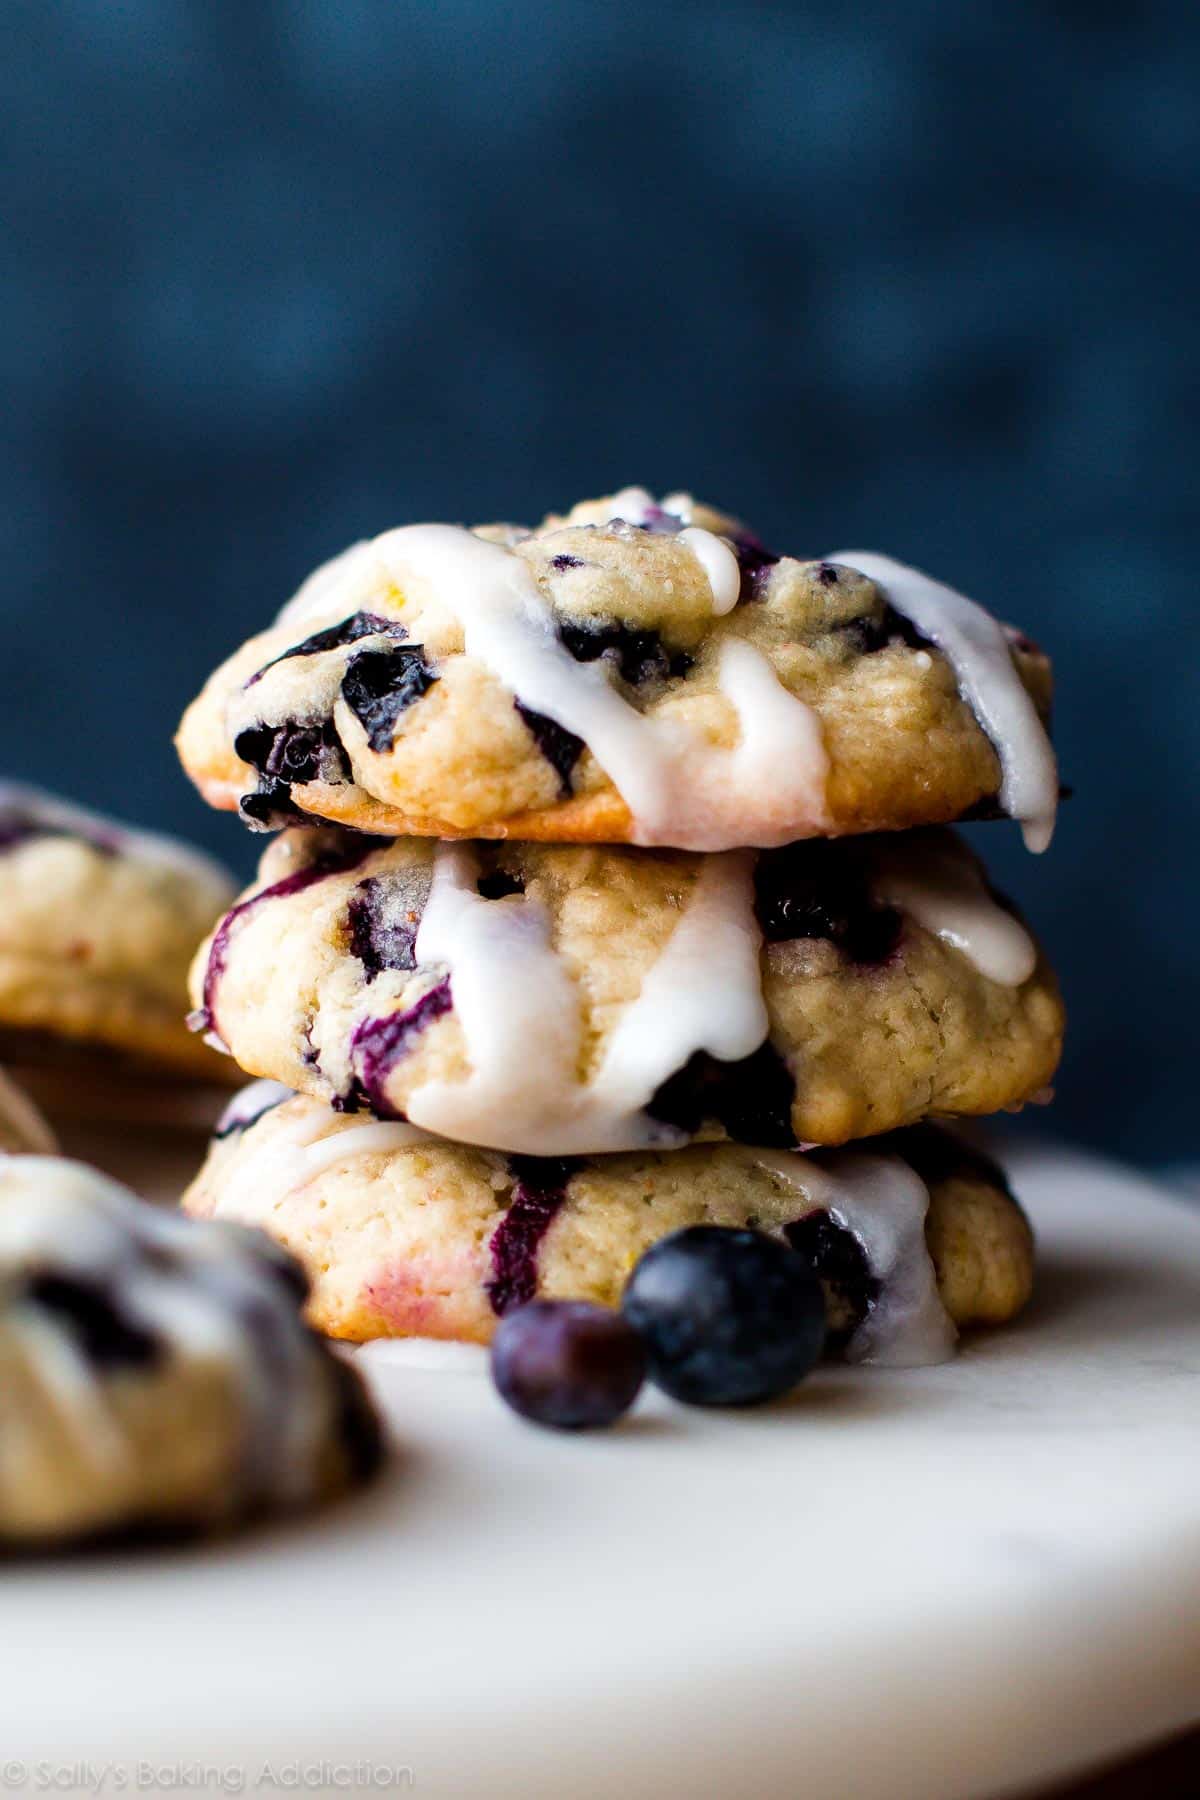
(631, 673)
(98, 923)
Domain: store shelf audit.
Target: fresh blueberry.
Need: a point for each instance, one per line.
(728, 1317)
(567, 1363)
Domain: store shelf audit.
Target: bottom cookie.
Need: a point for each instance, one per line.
(156, 1375)
(403, 1235)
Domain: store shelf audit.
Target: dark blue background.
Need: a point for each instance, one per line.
(920, 276)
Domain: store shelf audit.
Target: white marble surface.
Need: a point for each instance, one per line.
(943, 1582)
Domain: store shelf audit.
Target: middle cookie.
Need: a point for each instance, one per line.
(565, 1000)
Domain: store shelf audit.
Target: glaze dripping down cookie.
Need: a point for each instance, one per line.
(633, 672)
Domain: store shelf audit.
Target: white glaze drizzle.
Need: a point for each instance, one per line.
(936, 880)
(719, 563)
(195, 1299)
(703, 993)
(75, 1392)
(249, 1104)
(519, 1011)
(766, 789)
(976, 647)
(289, 1159)
(637, 506)
(883, 1202)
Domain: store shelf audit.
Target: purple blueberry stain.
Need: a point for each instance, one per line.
(334, 861)
(819, 890)
(379, 685)
(377, 1045)
(560, 747)
(562, 562)
(539, 1190)
(378, 937)
(336, 637)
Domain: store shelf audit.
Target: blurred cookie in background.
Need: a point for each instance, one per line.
(156, 1374)
(22, 1127)
(98, 922)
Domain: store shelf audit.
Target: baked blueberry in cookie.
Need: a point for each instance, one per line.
(564, 1000)
(98, 923)
(630, 672)
(155, 1372)
(404, 1234)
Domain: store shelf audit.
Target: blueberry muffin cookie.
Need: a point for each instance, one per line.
(22, 1127)
(155, 1373)
(406, 1235)
(566, 1000)
(629, 673)
(98, 923)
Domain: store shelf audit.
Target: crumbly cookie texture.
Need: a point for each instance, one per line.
(405, 1235)
(565, 999)
(156, 1373)
(98, 924)
(22, 1127)
(630, 672)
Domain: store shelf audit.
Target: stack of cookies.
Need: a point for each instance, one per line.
(612, 894)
